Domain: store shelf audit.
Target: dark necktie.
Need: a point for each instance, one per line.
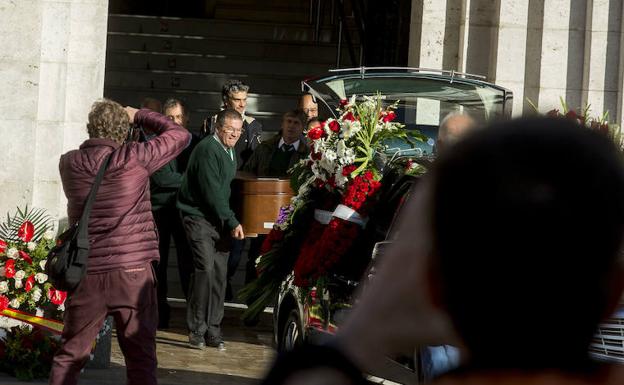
(287, 147)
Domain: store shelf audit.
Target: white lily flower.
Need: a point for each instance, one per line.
(20, 274)
(18, 284)
(4, 287)
(31, 246)
(42, 263)
(39, 311)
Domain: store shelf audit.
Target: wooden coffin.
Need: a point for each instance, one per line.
(256, 201)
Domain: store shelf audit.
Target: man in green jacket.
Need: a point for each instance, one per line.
(209, 223)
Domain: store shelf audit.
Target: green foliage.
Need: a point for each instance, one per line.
(38, 217)
(27, 353)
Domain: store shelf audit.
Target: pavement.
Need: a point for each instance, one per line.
(248, 355)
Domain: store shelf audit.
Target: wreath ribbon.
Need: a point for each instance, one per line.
(343, 212)
(53, 326)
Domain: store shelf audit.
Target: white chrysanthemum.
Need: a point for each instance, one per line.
(39, 311)
(12, 253)
(36, 294)
(327, 164)
(20, 274)
(349, 157)
(42, 263)
(49, 235)
(18, 283)
(341, 180)
(326, 128)
(316, 170)
(4, 287)
(41, 277)
(15, 303)
(31, 246)
(330, 155)
(319, 145)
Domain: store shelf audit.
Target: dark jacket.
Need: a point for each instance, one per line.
(165, 182)
(121, 227)
(205, 189)
(260, 161)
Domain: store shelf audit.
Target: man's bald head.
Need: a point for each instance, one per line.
(452, 128)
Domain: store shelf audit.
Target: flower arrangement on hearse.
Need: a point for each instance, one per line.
(336, 189)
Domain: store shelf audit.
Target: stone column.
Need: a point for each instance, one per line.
(510, 49)
(427, 48)
(52, 69)
(554, 58)
(602, 57)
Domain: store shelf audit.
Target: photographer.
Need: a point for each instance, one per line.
(120, 280)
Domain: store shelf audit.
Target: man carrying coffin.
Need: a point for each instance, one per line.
(273, 158)
(209, 223)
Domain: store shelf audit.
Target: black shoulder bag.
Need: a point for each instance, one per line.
(67, 261)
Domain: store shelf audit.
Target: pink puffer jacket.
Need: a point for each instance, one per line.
(121, 228)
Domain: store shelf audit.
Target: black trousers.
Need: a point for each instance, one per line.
(169, 224)
(210, 249)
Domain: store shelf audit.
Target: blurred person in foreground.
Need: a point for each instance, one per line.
(164, 185)
(517, 235)
(120, 280)
(439, 359)
(210, 226)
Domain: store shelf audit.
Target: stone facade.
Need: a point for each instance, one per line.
(540, 49)
(52, 69)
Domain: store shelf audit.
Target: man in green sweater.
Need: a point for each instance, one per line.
(209, 223)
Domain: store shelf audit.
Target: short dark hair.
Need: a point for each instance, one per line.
(172, 102)
(226, 114)
(528, 219)
(297, 114)
(232, 85)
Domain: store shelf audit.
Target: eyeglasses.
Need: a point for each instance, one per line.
(308, 110)
(231, 130)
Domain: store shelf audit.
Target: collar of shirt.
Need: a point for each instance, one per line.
(294, 144)
(227, 149)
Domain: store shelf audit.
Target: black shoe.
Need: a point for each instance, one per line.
(196, 341)
(215, 342)
(164, 314)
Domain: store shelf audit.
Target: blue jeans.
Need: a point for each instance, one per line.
(437, 360)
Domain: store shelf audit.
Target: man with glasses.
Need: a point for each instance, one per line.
(308, 105)
(210, 225)
(234, 96)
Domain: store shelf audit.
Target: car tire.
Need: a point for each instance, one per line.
(292, 335)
